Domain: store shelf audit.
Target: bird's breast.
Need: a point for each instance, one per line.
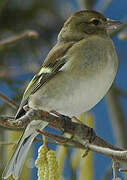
(79, 86)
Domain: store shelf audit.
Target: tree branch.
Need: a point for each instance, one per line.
(28, 33)
(81, 133)
(8, 101)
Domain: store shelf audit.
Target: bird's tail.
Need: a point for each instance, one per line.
(16, 163)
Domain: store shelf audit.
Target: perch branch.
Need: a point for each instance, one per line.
(81, 133)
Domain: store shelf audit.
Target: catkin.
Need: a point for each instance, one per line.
(47, 164)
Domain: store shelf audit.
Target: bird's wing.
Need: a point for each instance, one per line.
(45, 74)
(50, 68)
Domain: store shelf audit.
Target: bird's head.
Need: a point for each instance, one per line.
(85, 23)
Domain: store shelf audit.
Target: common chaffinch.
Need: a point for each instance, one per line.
(75, 76)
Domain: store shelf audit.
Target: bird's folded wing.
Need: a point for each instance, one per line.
(45, 74)
(51, 66)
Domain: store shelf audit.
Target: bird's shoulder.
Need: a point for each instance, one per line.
(53, 62)
(56, 53)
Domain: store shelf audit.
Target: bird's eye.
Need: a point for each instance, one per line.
(95, 22)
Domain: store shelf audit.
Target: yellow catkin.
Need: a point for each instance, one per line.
(47, 164)
(42, 164)
(41, 156)
(52, 165)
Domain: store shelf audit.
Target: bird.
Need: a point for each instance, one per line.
(76, 74)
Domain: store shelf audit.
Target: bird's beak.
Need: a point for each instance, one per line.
(112, 24)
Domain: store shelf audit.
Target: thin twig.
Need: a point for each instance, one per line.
(60, 140)
(27, 33)
(5, 122)
(8, 101)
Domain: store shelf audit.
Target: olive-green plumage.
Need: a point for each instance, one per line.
(75, 76)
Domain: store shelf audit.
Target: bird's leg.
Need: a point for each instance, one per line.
(59, 115)
(91, 133)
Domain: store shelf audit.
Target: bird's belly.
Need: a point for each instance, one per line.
(77, 95)
(86, 94)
